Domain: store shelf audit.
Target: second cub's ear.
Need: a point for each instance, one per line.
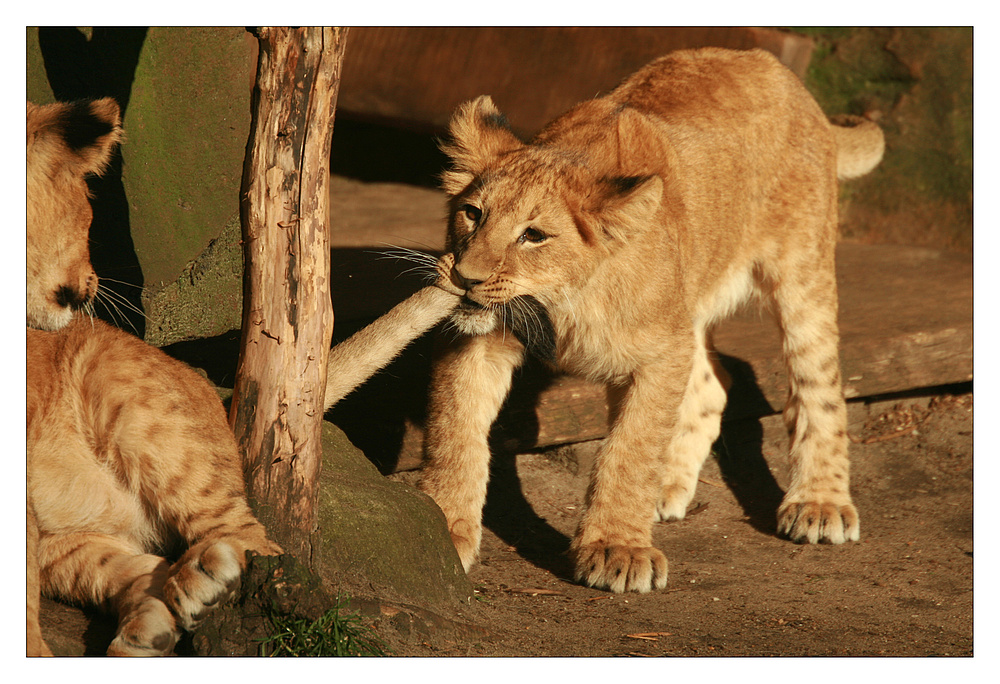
(479, 134)
(85, 132)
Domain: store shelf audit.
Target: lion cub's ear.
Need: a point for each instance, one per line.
(479, 134)
(87, 130)
(621, 207)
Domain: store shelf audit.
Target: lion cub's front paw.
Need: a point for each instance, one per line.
(619, 568)
(815, 522)
(202, 578)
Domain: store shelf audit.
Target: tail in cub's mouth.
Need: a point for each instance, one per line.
(524, 315)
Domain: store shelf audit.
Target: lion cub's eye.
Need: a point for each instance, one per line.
(532, 235)
(471, 213)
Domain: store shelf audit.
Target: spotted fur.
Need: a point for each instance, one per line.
(130, 455)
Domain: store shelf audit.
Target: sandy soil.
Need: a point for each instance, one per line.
(735, 588)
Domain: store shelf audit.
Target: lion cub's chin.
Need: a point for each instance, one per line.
(474, 321)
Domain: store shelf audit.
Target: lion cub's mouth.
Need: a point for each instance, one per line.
(472, 318)
(470, 304)
(524, 315)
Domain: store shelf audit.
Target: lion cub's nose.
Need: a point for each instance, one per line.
(71, 297)
(463, 281)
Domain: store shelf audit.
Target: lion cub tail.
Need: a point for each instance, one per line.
(860, 145)
(358, 357)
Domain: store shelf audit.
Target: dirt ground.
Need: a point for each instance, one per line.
(735, 588)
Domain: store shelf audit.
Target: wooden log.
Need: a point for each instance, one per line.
(277, 403)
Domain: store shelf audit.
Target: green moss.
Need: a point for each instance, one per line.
(206, 299)
(850, 72)
(187, 125)
(37, 84)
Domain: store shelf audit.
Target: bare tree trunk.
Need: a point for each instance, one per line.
(277, 404)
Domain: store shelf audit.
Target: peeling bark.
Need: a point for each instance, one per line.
(277, 405)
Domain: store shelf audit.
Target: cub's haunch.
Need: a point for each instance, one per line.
(130, 454)
(611, 244)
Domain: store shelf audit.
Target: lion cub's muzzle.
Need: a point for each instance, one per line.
(74, 297)
(447, 279)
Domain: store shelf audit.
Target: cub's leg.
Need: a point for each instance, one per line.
(469, 384)
(817, 506)
(204, 501)
(102, 570)
(613, 547)
(35, 645)
(697, 429)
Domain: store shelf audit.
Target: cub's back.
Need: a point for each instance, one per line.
(747, 157)
(114, 381)
(710, 86)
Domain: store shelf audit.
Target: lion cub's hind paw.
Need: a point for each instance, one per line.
(620, 568)
(149, 630)
(203, 577)
(814, 523)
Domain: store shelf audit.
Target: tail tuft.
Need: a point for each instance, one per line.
(860, 145)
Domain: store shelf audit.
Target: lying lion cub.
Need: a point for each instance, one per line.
(129, 451)
(610, 245)
(130, 454)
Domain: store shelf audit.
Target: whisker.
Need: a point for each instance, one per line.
(113, 302)
(427, 247)
(105, 295)
(106, 279)
(411, 256)
(570, 307)
(424, 264)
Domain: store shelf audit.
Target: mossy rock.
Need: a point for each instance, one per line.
(206, 300)
(381, 537)
(384, 553)
(166, 208)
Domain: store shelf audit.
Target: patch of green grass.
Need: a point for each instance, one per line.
(478, 594)
(332, 634)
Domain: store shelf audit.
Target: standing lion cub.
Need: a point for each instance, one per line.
(610, 245)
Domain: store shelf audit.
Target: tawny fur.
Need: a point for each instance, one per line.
(130, 456)
(129, 452)
(638, 220)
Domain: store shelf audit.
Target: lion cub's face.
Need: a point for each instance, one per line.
(517, 248)
(65, 143)
(529, 224)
